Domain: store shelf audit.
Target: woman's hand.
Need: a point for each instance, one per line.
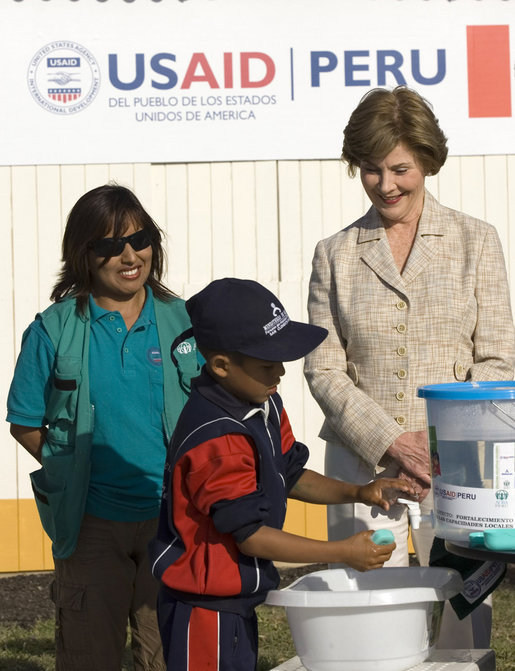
(384, 492)
(410, 451)
(30, 437)
(421, 489)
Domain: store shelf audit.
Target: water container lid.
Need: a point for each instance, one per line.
(469, 391)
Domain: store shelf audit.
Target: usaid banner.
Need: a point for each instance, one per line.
(221, 80)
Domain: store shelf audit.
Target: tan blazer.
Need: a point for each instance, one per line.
(447, 318)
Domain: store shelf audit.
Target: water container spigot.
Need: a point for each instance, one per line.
(415, 515)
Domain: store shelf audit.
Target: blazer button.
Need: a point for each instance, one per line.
(401, 351)
(401, 420)
(401, 305)
(402, 374)
(400, 396)
(401, 328)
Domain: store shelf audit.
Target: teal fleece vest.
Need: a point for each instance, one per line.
(61, 485)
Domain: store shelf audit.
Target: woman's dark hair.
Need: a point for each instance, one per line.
(383, 119)
(106, 210)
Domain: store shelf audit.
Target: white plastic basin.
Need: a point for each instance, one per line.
(383, 620)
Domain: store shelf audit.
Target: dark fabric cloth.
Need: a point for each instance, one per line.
(480, 577)
(198, 638)
(105, 583)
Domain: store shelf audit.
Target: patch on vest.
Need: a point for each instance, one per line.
(154, 356)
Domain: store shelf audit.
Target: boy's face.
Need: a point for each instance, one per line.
(253, 380)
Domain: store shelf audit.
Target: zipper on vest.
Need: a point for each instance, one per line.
(270, 437)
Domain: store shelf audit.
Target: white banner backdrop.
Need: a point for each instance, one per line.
(224, 80)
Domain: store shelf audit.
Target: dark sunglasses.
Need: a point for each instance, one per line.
(115, 246)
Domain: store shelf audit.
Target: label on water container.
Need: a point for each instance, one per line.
(504, 466)
(473, 509)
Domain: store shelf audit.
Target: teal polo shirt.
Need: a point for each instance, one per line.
(126, 390)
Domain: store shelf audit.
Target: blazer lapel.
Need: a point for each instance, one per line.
(373, 248)
(375, 251)
(431, 229)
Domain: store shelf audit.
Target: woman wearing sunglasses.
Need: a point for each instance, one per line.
(101, 378)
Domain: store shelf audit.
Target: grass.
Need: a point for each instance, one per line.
(27, 649)
(503, 638)
(33, 649)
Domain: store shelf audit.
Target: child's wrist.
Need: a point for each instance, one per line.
(357, 495)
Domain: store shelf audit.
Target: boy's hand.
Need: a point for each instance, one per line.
(363, 555)
(384, 492)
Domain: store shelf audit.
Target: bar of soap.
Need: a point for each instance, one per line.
(383, 537)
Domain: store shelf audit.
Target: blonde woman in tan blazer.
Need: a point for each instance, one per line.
(413, 293)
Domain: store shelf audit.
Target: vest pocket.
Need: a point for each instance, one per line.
(49, 487)
(60, 489)
(61, 408)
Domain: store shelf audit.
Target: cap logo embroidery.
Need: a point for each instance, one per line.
(278, 322)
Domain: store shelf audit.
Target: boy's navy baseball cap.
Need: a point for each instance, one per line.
(234, 315)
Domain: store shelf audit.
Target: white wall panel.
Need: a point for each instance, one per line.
(221, 222)
(243, 222)
(496, 195)
(290, 238)
(290, 294)
(73, 185)
(96, 175)
(25, 278)
(199, 224)
(311, 214)
(432, 185)
(122, 173)
(8, 456)
(332, 199)
(353, 197)
(267, 221)
(25, 248)
(50, 222)
(473, 186)
(176, 225)
(143, 184)
(157, 178)
(449, 184)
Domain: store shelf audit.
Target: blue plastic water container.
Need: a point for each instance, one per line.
(471, 428)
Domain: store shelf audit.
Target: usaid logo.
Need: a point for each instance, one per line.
(448, 494)
(472, 589)
(63, 77)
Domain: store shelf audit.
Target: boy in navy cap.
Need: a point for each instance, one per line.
(232, 463)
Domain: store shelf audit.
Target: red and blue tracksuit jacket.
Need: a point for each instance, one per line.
(229, 469)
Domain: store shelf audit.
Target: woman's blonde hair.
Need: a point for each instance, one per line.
(385, 118)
